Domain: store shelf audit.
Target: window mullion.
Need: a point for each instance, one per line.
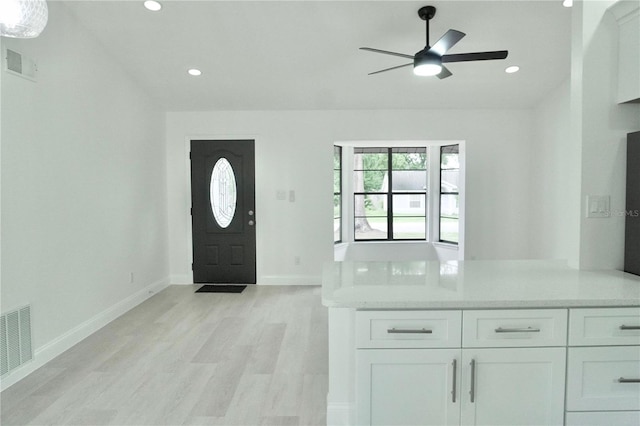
(390, 195)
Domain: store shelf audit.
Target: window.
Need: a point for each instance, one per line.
(337, 194)
(411, 192)
(389, 193)
(449, 193)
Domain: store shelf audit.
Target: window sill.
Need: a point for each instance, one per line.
(448, 246)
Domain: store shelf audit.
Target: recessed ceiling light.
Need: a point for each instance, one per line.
(567, 3)
(512, 69)
(152, 5)
(194, 72)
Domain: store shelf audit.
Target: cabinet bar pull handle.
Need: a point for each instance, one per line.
(629, 327)
(517, 330)
(472, 391)
(453, 388)
(623, 380)
(409, 331)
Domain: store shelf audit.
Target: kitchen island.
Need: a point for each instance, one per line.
(481, 342)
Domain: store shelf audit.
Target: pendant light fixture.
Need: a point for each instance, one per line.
(23, 18)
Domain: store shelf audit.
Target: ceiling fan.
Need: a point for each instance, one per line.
(429, 61)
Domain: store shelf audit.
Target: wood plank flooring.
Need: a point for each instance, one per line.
(181, 358)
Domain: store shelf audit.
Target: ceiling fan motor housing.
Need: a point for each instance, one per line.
(427, 56)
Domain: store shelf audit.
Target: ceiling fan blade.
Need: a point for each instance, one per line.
(444, 73)
(390, 69)
(476, 56)
(386, 52)
(447, 41)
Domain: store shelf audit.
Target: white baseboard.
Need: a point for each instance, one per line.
(339, 414)
(290, 280)
(57, 346)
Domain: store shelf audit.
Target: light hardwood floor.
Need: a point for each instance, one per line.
(180, 358)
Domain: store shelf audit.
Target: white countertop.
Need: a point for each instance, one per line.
(474, 284)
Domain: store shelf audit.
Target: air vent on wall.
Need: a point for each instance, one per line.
(15, 339)
(18, 64)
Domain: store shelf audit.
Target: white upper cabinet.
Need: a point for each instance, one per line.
(627, 13)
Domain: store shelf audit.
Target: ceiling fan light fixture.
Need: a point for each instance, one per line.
(23, 18)
(427, 70)
(152, 5)
(512, 69)
(427, 63)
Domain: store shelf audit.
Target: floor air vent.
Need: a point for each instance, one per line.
(15, 339)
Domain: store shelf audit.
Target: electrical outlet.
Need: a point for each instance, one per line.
(296, 260)
(131, 278)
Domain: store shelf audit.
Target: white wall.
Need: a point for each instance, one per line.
(580, 149)
(601, 126)
(555, 178)
(294, 151)
(83, 187)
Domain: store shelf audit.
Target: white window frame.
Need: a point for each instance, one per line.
(433, 190)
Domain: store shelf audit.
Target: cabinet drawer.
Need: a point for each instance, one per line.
(604, 326)
(514, 328)
(599, 418)
(408, 329)
(603, 378)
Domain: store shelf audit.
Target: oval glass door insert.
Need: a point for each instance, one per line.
(223, 192)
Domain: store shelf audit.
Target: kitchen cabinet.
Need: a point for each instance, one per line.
(542, 337)
(407, 367)
(514, 384)
(603, 376)
(614, 418)
(627, 15)
(408, 387)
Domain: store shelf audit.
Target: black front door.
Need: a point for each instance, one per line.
(223, 211)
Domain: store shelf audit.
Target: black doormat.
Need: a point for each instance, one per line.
(221, 288)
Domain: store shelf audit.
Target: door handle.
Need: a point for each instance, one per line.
(409, 331)
(472, 391)
(623, 380)
(517, 330)
(453, 387)
(629, 327)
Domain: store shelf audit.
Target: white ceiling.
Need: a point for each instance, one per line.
(267, 55)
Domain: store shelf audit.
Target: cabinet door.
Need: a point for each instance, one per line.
(519, 386)
(408, 387)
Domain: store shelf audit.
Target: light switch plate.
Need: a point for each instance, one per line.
(598, 206)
